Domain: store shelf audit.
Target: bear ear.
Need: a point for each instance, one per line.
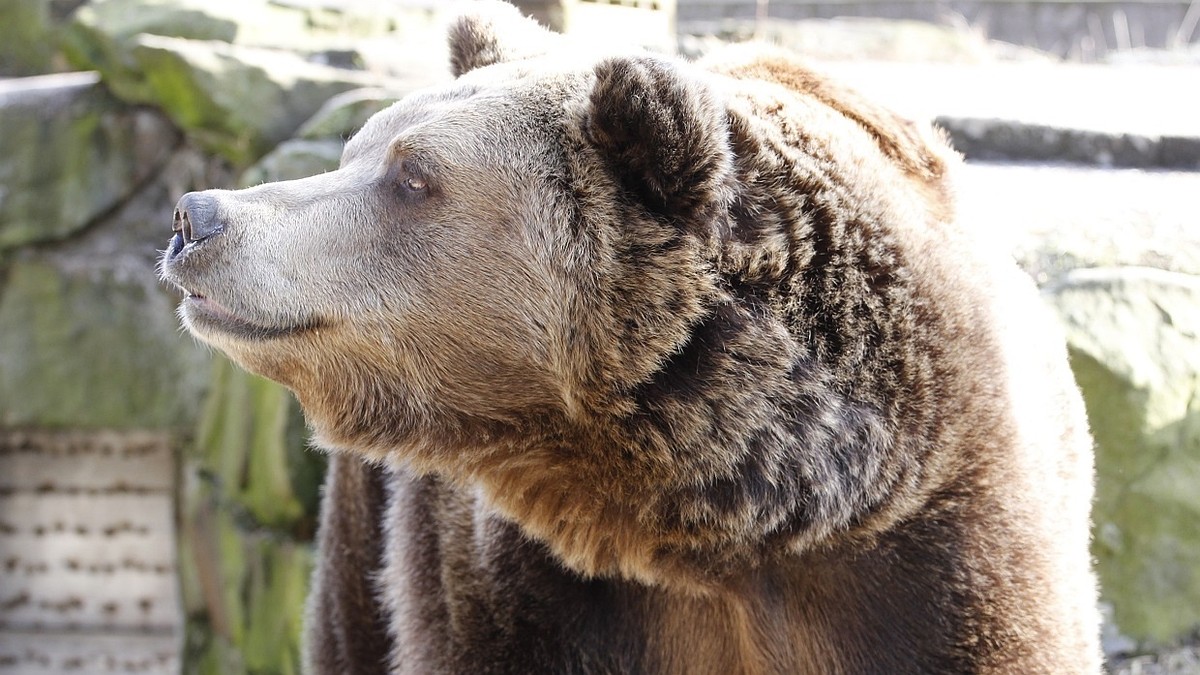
(663, 132)
(495, 32)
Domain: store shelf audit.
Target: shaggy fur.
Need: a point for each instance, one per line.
(633, 365)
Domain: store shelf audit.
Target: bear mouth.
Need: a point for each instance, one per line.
(204, 315)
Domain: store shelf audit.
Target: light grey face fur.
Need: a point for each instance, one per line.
(367, 262)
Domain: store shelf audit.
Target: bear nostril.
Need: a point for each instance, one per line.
(182, 225)
(196, 217)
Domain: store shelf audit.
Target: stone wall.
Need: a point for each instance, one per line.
(1117, 254)
(86, 532)
(157, 504)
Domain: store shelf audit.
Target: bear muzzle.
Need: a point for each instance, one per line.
(196, 221)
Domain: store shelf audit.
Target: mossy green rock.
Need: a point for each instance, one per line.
(235, 76)
(343, 115)
(294, 159)
(318, 144)
(237, 102)
(97, 346)
(26, 38)
(88, 336)
(1134, 339)
(70, 152)
(249, 503)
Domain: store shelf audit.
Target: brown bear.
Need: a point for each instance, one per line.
(635, 365)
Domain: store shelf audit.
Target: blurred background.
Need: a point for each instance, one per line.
(157, 505)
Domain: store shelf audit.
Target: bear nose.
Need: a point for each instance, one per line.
(196, 217)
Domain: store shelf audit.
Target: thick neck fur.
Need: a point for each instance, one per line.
(807, 514)
(800, 305)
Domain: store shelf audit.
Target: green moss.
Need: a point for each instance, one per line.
(277, 589)
(245, 604)
(232, 100)
(174, 85)
(86, 47)
(1136, 358)
(27, 39)
(250, 444)
(248, 616)
(248, 509)
(208, 654)
(90, 348)
(70, 153)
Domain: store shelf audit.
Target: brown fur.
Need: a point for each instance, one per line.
(659, 367)
(344, 612)
(919, 150)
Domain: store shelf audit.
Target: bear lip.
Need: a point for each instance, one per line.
(207, 315)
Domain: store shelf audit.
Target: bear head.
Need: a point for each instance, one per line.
(652, 310)
(526, 242)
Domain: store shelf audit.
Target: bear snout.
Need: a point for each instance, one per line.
(194, 221)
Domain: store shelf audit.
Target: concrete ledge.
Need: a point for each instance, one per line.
(1015, 141)
(1135, 116)
(1084, 30)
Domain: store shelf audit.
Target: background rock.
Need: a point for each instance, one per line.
(248, 505)
(995, 140)
(237, 77)
(317, 145)
(88, 335)
(26, 38)
(1134, 339)
(87, 347)
(292, 159)
(1057, 218)
(69, 153)
(237, 102)
(1117, 253)
(1051, 113)
(345, 113)
(299, 27)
